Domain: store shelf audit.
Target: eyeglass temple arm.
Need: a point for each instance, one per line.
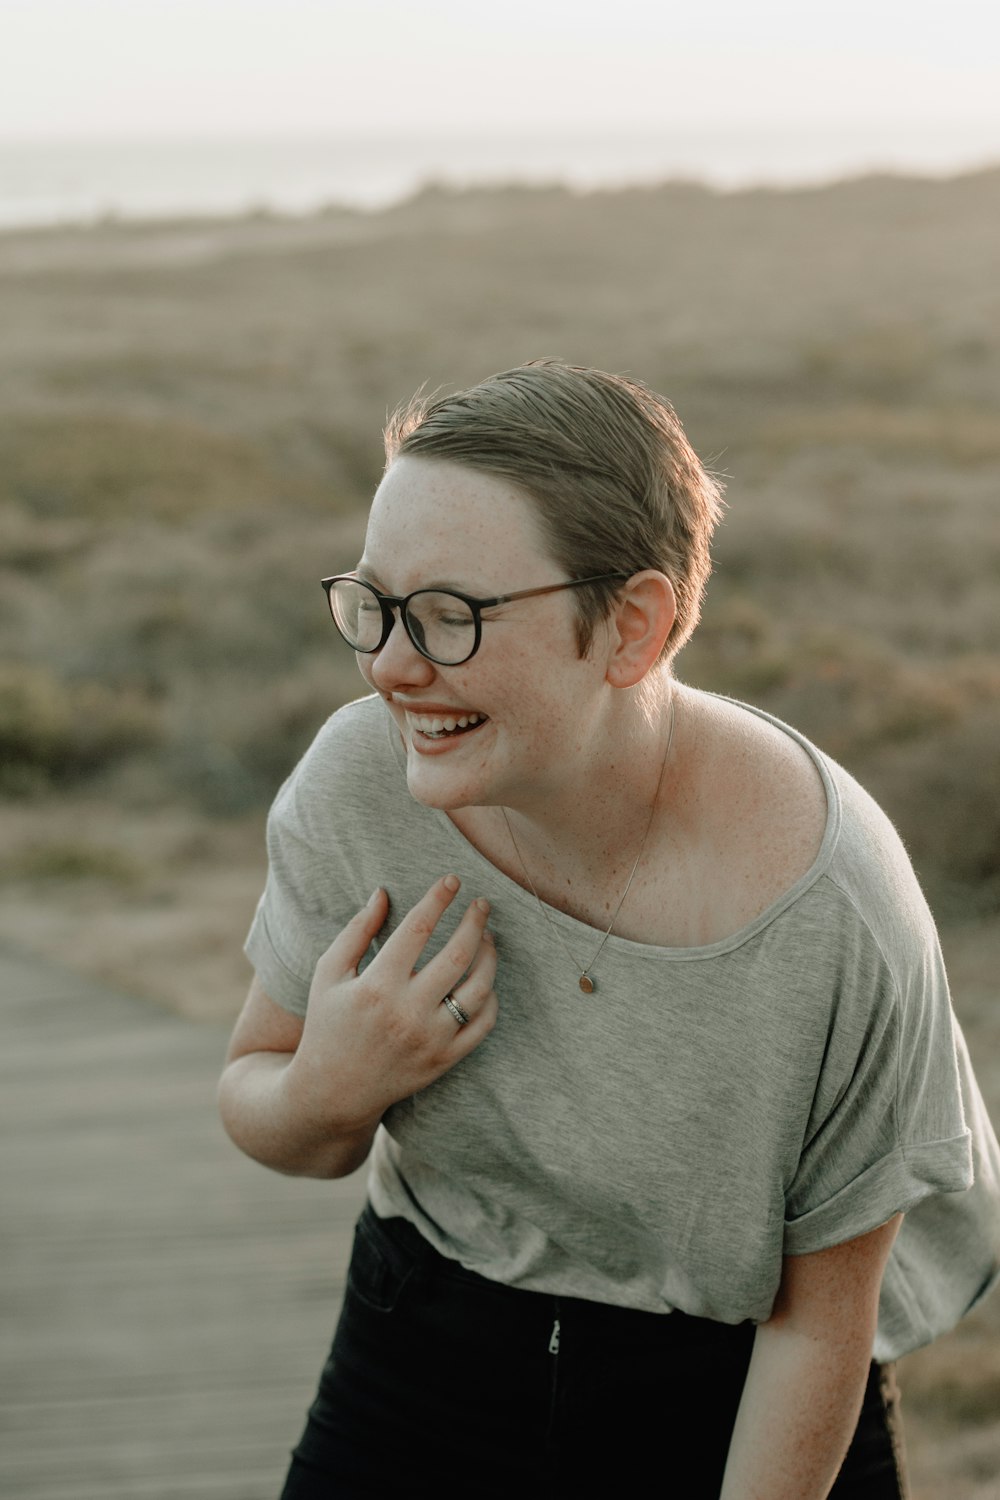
(552, 588)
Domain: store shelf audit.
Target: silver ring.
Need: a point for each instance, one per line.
(456, 1010)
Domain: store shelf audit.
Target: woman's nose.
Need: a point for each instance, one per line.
(398, 662)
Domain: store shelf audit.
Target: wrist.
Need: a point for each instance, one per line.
(321, 1106)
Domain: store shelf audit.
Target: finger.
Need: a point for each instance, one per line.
(449, 967)
(478, 1027)
(353, 941)
(478, 981)
(410, 938)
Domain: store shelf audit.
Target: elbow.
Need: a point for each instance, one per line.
(247, 1116)
(238, 1118)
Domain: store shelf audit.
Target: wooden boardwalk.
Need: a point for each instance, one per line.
(166, 1304)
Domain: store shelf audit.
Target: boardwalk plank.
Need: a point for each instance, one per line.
(166, 1303)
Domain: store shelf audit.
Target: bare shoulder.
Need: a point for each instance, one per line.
(765, 785)
(758, 803)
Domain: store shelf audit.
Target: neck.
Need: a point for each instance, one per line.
(600, 811)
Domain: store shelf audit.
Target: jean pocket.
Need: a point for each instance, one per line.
(379, 1269)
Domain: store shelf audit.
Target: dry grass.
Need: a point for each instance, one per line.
(190, 432)
(152, 901)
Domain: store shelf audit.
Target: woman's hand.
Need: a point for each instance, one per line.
(371, 1039)
(305, 1097)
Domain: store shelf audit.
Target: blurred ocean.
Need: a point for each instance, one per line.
(82, 181)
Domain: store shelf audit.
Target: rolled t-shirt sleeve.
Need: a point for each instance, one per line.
(887, 1127)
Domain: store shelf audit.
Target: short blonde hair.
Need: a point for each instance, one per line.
(616, 485)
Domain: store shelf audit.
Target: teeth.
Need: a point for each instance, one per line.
(447, 725)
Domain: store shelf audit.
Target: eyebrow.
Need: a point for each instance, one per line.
(368, 575)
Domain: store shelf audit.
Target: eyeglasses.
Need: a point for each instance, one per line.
(444, 626)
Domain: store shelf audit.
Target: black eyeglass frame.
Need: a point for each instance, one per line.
(390, 602)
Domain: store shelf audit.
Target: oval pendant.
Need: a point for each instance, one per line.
(587, 984)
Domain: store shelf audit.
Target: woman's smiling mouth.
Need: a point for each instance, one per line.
(441, 726)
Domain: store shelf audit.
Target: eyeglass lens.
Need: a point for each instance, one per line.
(440, 624)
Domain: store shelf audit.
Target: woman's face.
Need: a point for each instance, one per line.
(530, 702)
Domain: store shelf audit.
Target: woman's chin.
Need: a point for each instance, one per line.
(448, 788)
(438, 791)
(446, 778)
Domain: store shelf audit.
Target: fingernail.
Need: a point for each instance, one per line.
(451, 882)
(481, 904)
(374, 895)
(487, 935)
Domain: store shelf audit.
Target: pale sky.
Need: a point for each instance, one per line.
(170, 68)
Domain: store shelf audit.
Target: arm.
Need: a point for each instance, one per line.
(258, 1102)
(807, 1374)
(306, 1096)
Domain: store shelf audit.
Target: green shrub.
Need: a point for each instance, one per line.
(965, 436)
(51, 730)
(943, 792)
(71, 859)
(107, 466)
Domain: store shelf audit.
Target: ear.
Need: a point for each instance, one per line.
(638, 626)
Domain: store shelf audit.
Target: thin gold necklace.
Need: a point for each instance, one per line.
(587, 984)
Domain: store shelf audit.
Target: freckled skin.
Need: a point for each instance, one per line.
(550, 714)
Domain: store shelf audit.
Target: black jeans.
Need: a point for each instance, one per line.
(442, 1383)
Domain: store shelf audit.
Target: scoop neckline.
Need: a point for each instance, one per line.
(572, 924)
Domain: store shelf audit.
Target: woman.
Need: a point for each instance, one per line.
(628, 990)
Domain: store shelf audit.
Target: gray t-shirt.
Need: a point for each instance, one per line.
(662, 1143)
